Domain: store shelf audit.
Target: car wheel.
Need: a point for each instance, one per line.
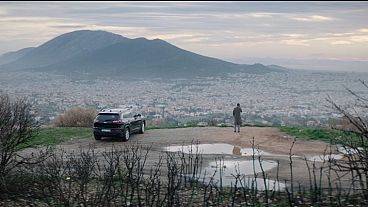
(126, 134)
(141, 131)
(97, 137)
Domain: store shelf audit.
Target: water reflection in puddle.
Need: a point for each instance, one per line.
(321, 158)
(344, 151)
(349, 151)
(227, 149)
(216, 149)
(231, 168)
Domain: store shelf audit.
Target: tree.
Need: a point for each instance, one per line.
(17, 126)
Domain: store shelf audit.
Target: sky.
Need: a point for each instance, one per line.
(289, 33)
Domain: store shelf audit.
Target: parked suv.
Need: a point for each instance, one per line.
(118, 123)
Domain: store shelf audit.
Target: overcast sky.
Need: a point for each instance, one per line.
(228, 30)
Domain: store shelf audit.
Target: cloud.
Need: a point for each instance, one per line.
(29, 28)
(364, 30)
(35, 28)
(339, 34)
(312, 18)
(261, 14)
(196, 39)
(294, 35)
(359, 38)
(68, 26)
(340, 42)
(3, 12)
(181, 38)
(174, 36)
(296, 42)
(270, 28)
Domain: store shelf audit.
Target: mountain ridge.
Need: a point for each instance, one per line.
(101, 53)
(14, 55)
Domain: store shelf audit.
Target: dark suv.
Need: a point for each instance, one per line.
(118, 123)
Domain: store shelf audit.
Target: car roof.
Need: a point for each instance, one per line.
(114, 111)
(108, 112)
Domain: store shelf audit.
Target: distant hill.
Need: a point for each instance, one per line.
(87, 53)
(12, 56)
(277, 67)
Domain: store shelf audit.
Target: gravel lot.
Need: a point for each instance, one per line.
(270, 140)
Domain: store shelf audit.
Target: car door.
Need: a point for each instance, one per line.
(136, 122)
(130, 120)
(126, 119)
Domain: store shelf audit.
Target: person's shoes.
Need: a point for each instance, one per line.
(238, 131)
(235, 131)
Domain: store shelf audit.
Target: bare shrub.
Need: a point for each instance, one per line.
(121, 177)
(355, 146)
(345, 125)
(17, 126)
(76, 117)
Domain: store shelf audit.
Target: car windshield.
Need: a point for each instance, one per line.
(107, 117)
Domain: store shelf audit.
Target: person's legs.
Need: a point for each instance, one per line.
(238, 128)
(234, 128)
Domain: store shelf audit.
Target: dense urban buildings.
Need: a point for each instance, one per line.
(295, 97)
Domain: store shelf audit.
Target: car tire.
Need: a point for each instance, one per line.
(97, 137)
(126, 134)
(141, 130)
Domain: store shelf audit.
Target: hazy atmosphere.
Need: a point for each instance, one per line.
(302, 35)
(184, 103)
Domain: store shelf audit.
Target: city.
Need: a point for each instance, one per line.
(292, 98)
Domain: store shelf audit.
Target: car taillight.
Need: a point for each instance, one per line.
(117, 122)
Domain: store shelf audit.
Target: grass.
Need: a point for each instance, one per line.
(56, 135)
(327, 135)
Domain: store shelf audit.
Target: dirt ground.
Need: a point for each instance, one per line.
(268, 139)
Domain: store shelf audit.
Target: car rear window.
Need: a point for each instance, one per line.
(107, 117)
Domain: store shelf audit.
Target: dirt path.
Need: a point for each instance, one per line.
(268, 139)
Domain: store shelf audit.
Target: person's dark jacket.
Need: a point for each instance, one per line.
(236, 113)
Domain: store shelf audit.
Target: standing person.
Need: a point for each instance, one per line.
(237, 118)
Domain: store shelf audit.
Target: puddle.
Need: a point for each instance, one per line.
(342, 150)
(321, 158)
(246, 169)
(216, 149)
(243, 166)
(227, 149)
(348, 150)
(229, 168)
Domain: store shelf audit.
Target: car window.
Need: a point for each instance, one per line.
(128, 114)
(107, 117)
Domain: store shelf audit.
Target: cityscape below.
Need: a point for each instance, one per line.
(291, 98)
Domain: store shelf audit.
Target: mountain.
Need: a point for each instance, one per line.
(98, 53)
(277, 67)
(12, 56)
(66, 46)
